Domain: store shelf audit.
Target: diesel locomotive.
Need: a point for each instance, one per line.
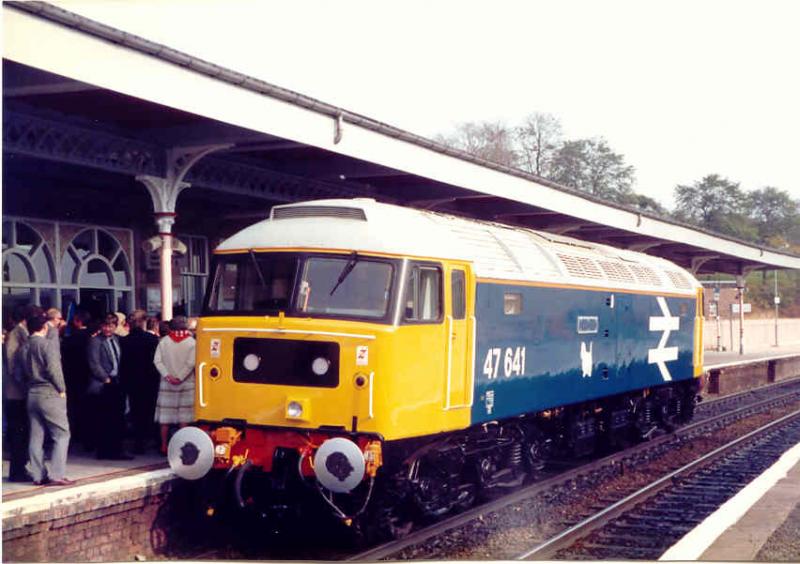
(390, 362)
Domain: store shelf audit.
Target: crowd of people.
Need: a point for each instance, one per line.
(88, 381)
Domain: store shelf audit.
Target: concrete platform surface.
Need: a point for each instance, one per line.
(85, 468)
(714, 359)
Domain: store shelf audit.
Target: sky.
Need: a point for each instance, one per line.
(681, 88)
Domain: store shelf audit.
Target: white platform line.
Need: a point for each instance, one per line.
(696, 542)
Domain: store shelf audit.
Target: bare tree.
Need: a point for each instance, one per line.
(537, 141)
(492, 141)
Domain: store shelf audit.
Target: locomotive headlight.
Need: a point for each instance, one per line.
(294, 410)
(251, 362)
(320, 366)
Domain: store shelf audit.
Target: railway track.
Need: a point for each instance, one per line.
(650, 520)
(710, 416)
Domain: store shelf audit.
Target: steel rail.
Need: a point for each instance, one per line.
(548, 549)
(393, 547)
(729, 398)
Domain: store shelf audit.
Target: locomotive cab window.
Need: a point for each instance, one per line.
(253, 282)
(423, 299)
(353, 287)
(458, 294)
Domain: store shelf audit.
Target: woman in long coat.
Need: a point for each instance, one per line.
(174, 359)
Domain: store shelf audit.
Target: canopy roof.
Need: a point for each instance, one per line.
(80, 98)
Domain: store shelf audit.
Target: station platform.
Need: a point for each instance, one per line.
(728, 372)
(85, 468)
(714, 360)
(760, 523)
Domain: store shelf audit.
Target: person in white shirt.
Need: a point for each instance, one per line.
(174, 359)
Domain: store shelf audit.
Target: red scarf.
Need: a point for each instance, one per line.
(179, 335)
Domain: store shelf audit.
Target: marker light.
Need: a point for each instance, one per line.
(320, 366)
(251, 362)
(294, 410)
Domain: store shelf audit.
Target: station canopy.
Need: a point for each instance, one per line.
(78, 93)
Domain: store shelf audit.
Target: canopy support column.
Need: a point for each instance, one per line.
(164, 192)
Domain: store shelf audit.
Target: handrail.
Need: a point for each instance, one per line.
(200, 384)
(449, 361)
(471, 367)
(371, 394)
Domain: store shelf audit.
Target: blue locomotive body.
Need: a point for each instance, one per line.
(541, 347)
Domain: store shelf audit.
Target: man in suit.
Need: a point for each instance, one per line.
(15, 396)
(140, 379)
(47, 403)
(76, 374)
(106, 393)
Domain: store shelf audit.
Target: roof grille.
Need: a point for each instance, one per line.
(581, 267)
(678, 279)
(296, 212)
(616, 271)
(645, 275)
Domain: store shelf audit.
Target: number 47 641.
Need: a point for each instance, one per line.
(513, 362)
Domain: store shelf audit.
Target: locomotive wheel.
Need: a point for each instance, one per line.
(389, 516)
(393, 522)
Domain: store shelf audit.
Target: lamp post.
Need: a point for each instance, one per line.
(740, 281)
(777, 305)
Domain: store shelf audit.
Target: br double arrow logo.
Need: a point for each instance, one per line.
(662, 353)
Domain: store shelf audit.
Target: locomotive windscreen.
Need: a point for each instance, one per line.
(348, 286)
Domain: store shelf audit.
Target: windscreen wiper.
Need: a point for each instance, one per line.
(348, 268)
(258, 268)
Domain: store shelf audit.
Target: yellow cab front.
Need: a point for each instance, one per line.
(298, 346)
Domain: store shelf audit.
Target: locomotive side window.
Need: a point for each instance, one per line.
(225, 298)
(458, 293)
(512, 303)
(423, 301)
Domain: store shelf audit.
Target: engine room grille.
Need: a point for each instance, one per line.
(617, 271)
(581, 267)
(295, 212)
(645, 275)
(678, 279)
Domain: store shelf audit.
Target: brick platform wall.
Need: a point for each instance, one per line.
(732, 379)
(152, 522)
(118, 532)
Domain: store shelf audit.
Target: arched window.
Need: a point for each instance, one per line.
(55, 264)
(28, 267)
(97, 266)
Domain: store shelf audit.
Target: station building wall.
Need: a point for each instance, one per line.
(72, 236)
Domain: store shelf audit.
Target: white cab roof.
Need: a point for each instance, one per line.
(496, 251)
